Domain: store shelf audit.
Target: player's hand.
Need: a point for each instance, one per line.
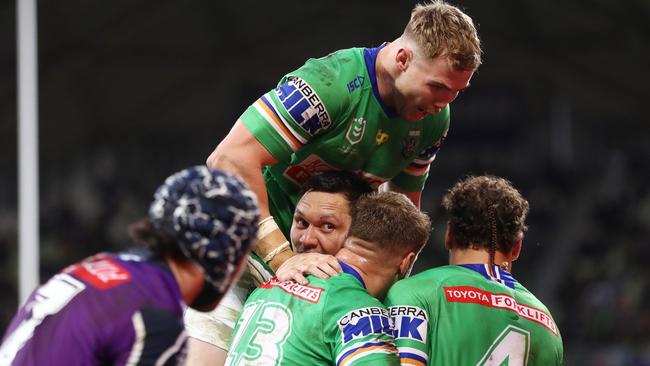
(300, 265)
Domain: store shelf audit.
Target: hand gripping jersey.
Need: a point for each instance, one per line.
(107, 310)
(328, 115)
(459, 315)
(329, 322)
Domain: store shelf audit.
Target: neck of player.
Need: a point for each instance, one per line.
(378, 269)
(188, 276)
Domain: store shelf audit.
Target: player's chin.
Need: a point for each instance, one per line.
(415, 116)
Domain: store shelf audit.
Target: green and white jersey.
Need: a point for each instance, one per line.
(329, 322)
(460, 315)
(328, 115)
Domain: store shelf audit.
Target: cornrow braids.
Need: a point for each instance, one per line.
(492, 217)
(476, 205)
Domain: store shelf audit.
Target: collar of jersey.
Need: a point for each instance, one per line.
(351, 271)
(502, 276)
(370, 55)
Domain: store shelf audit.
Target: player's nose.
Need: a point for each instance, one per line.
(308, 240)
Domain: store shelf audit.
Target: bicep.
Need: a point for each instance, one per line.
(240, 148)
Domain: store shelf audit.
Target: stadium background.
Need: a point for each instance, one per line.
(131, 91)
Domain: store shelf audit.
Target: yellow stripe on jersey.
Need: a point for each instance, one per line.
(366, 349)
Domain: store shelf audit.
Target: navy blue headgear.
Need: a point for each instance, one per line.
(214, 217)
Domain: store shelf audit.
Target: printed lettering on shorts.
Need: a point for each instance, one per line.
(411, 322)
(363, 322)
(307, 293)
(472, 295)
(304, 105)
(101, 272)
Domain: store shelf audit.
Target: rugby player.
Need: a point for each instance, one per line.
(126, 308)
(338, 320)
(320, 225)
(473, 311)
(380, 112)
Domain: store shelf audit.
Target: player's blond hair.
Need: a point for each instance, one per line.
(442, 29)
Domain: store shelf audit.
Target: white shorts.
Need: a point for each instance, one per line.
(216, 326)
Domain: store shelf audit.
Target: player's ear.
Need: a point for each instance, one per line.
(406, 265)
(516, 250)
(403, 58)
(449, 240)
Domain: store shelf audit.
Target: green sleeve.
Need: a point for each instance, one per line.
(304, 105)
(413, 177)
(411, 321)
(358, 328)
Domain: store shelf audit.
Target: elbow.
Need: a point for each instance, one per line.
(213, 160)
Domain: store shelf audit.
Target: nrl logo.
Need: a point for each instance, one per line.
(356, 130)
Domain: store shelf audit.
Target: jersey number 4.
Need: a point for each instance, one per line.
(262, 330)
(510, 348)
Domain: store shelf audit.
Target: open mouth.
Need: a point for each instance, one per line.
(421, 113)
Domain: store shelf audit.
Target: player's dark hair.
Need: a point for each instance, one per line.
(161, 244)
(391, 220)
(337, 181)
(485, 212)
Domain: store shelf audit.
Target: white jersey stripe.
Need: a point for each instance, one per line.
(138, 343)
(277, 129)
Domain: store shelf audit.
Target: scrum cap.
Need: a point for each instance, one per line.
(213, 215)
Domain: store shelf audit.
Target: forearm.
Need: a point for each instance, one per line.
(413, 196)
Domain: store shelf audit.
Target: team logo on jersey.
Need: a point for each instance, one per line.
(410, 143)
(100, 272)
(356, 130)
(381, 138)
(411, 322)
(356, 83)
(304, 105)
(365, 321)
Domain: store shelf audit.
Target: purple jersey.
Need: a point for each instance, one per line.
(110, 309)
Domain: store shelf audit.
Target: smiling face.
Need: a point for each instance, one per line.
(426, 86)
(321, 223)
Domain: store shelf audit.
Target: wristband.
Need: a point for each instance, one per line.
(271, 243)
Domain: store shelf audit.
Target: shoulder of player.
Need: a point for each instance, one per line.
(340, 282)
(332, 72)
(436, 274)
(343, 286)
(429, 279)
(338, 60)
(108, 278)
(523, 295)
